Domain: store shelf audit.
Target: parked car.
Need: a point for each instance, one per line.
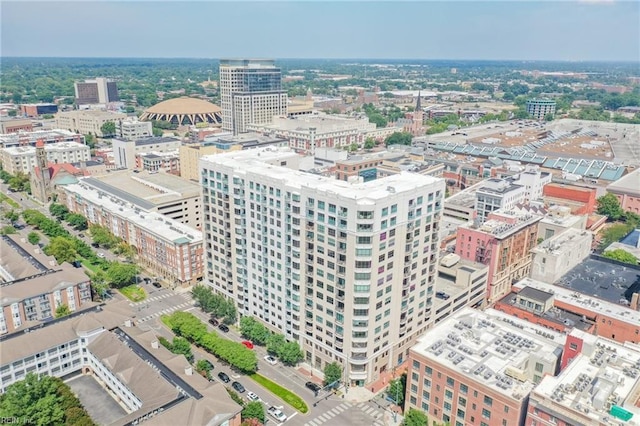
(252, 396)
(223, 328)
(277, 414)
(210, 364)
(247, 344)
(271, 360)
(223, 376)
(214, 322)
(313, 386)
(156, 284)
(101, 255)
(81, 235)
(95, 245)
(238, 386)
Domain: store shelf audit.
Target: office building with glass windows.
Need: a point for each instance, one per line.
(345, 268)
(250, 92)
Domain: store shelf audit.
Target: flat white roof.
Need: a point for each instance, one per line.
(152, 222)
(253, 162)
(486, 346)
(58, 146)
(604, 369)
(584, 301)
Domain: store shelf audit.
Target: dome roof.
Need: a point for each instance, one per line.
(184, 111)
(184, 105)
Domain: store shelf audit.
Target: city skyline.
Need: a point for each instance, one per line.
(498, 30)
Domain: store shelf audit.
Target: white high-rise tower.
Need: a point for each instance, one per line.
(346, 269)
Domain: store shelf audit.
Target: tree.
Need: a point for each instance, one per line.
(33, 398)
(62, 311)
(253, 410)
(398, 138)
(91, 140)
(76, 220)
(6, 230)
(274, 343)
(102, 236)
(12, 113)
(415, 418)
(62, 249)
(183, 347)
(548, 117)
(58, 210)
(290, 353)
(254, 331)
(156, 131)
(99, 283)
(609, 206)
(370, 143)
(108, 128)
(33, 237)
(396, 389)
(204, 367)
(621, 256)
(332, 373)
(121, 274)
(353, 147)
(12, 216)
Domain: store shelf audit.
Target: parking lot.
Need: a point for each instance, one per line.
(102, 408)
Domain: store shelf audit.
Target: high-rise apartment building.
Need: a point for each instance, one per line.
(540, 108)
(250, 92)
(98, 91)
(346, 269)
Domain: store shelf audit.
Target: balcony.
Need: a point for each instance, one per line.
(338, 344)
(308, 327)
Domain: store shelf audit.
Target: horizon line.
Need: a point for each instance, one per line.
(332, 59)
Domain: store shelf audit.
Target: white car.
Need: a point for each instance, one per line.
(271, 360)
(277, 414)
(252, 396)
(101, 255)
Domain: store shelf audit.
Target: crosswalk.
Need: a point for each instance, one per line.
(189, 302)
(340, 409)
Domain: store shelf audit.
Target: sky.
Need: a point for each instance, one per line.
(580, 30)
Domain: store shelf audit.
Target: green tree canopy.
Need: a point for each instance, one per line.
(254, 330)
(99, 283)
(621, 256)
(76, 220)
(274, 343)
(332, 373)
(58, 210)
(62, 248)
(370, 143)
(108, 128)
(62, 311)
(121, 274)
(290, 353)
(253, 410)
(33, 237)
(12, 216)
(398, 138)
(101, 236)
(396, 389)
(609, 206)
(183, 347)
(415, 418)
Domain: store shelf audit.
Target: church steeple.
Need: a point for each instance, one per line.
(419, 103)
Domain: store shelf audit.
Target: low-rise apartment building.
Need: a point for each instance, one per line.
(125, 151)
(504, 243)
(46, 136)
(87, 121)
(154, 162)
(562, 309)
(166, 194)
(478, 368)
(165, 246)
(558, 255)
(599, 385)
(580, 199)
(15, 125)
(22, 159)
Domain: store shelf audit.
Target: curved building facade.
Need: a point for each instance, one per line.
(184, 111)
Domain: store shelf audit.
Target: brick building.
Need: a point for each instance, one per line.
(504, 243)
(627, 190)
(581, 200)
(478, 368)
(562, 309)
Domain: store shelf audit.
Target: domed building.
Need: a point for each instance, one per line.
(184, 111)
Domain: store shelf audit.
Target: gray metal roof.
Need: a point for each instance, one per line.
(144, 204)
